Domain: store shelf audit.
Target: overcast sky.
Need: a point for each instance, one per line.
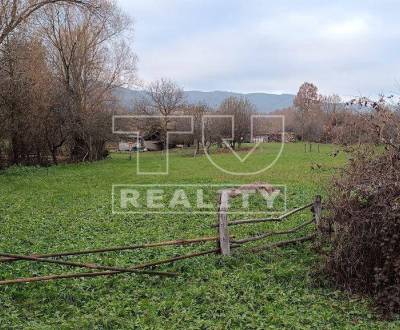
(348, 47)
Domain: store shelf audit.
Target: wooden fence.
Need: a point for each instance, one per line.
(225, 245)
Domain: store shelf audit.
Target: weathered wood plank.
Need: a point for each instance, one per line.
(278, 219)
(223, 230)
(120, 248)
(317, 209)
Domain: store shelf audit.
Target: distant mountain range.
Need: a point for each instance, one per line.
(263, 102)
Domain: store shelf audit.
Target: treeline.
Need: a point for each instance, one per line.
(228, 123)
(329, 119)
(59, 63)
(312, 118)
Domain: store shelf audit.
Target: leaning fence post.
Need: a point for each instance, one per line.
(317, 209)
(223, 230)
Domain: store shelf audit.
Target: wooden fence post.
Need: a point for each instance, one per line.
(317, 209)
(223, 230)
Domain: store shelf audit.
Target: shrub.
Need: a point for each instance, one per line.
(364, 215)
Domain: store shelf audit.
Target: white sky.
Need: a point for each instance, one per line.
(346, 47)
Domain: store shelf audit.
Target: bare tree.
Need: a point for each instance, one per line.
(166, 99)
(332, 108)
(89, 58)
(14, 13)
(165, 96)
(241, 110)
(57, 77)
(197, 112)
(25, 99)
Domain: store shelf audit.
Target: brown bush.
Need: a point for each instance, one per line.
(364, 213)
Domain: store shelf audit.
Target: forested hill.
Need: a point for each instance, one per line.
(263, 102)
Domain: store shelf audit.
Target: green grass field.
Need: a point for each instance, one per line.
(68, 207)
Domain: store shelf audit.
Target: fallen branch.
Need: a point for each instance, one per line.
(94, 274)
(81, 265)
(120, 248)
(56, 277)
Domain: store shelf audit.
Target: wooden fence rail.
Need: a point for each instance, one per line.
(119, 248)
(224, 224)
(136, 269)
(278, 219)
(226, 244)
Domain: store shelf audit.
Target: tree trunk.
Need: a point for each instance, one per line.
(54, 156)
(196, 150)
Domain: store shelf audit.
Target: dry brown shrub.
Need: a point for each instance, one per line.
(364, 214)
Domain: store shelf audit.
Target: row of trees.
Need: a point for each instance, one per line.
(313, 117)
(328, 119)
(60, 61)
(165, 100)
(59, 64)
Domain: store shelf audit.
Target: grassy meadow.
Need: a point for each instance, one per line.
(68, 207)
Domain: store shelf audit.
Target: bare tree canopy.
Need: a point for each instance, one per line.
(165, 96)
(13, 13)
(241, 110)
(57, 78)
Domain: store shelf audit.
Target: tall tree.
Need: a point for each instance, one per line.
(165, 98)
(25, 99)
(14, 13)
(57, 77)
(305, 101)
(90, 58)
(241, 110)
(197, 112)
